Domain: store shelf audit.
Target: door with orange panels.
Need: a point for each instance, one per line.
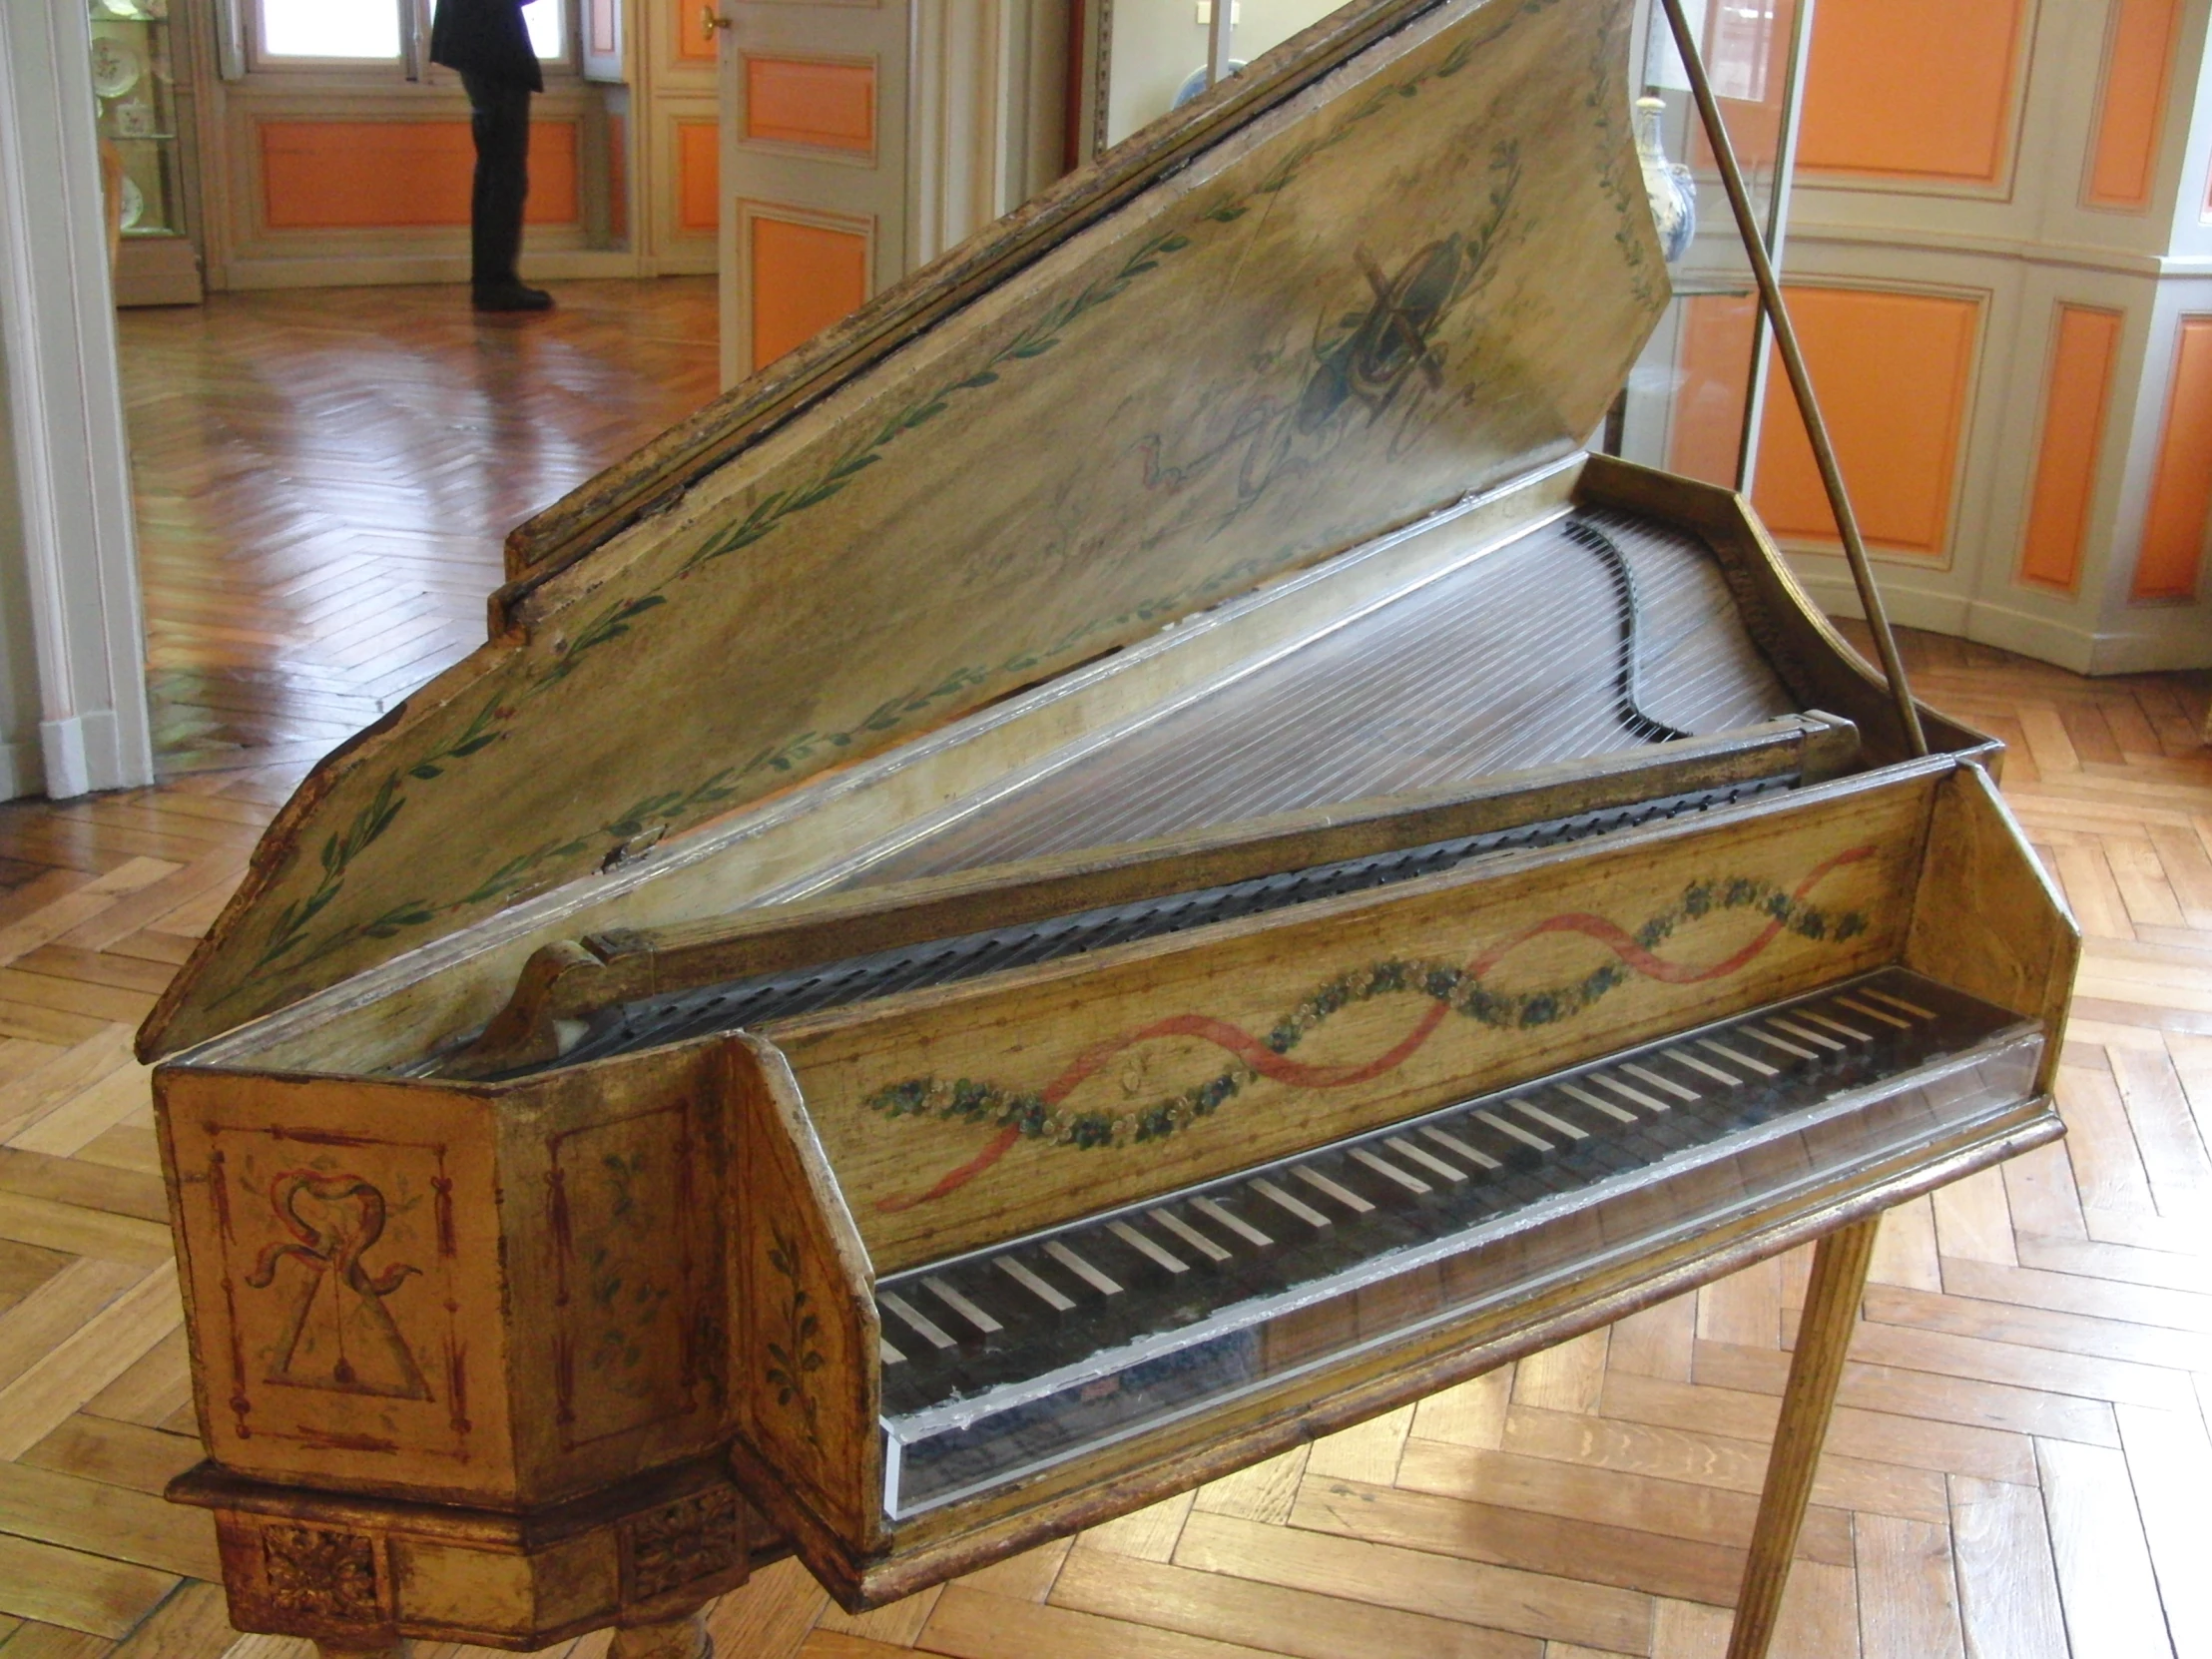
(813, 166)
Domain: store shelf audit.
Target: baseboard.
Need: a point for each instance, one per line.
(2153, 652)
(2172, 638)
(1908, 606)
(372, 269)
(63, 758)
(83, 754)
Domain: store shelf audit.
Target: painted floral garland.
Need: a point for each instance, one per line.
(1034, 1114)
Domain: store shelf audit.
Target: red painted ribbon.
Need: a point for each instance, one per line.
(1280, 1068)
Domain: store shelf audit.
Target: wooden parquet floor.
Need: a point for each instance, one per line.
(323, 477)
(2019, 1468)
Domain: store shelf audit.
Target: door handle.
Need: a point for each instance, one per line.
(710, 21)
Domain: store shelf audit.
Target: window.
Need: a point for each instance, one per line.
(329, 29)
(373, 30)
(544, 20)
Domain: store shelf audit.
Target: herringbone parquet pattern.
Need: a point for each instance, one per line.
(324, 478)
(2019, 1468)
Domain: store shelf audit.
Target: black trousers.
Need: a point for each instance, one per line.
(499, 117)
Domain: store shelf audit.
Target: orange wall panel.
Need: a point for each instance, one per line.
(698, 175)
(810, 101)
(1892, 372)
(805, 277)
(2085, 344)
(398, 175)
(1715, 365)
(693, 43)
(2132, 106)
(1911, 88)
(2181, 490)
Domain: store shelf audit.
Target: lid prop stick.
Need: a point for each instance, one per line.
(1801, 384)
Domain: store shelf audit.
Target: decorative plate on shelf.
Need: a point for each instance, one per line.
(1195, 82)
(115, 67)
(134, 204)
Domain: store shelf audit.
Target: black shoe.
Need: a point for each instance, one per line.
(512, 297)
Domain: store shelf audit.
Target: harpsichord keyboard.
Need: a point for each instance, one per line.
(1010, 1359)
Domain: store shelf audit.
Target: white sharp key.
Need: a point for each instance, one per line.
(1629, 1091)
(1683, 1056)
(1189, 1235)
(1081, 1269)
(1297, 1206)
(1427, 1160)
(1873, 1013)
(887, 1354)
(1855, 1034)
(1598, 1105)
(1743, 1061)
(918, 1321)
(1452, 1142)
(1898, 1002)
(1772, 1041)
(960, 1305)
(1658, 1082)
(1549, 1120)
(1390, 1172)
(1516, 1132)
(1144, 1246)
(1797, 1029)
(1042, 1290)
(1242, 1229)
(1322, 1184)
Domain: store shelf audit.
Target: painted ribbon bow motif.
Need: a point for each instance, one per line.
(339, 1335)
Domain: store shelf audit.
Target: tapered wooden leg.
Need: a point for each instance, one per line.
(684, 1638)
(1823, 1334)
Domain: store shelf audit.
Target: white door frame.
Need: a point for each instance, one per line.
(72, 561)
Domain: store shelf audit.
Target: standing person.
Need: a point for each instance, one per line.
(487, 41)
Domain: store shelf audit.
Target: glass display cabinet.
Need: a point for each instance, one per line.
(1694, 403)
(141, 77)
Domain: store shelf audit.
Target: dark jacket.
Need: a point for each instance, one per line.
(487, 38)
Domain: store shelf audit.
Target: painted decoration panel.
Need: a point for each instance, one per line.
(615, 1207)
(984, 1112)
(808, 1378)
(627, 1353)
(1415, 278)
(344, 1294)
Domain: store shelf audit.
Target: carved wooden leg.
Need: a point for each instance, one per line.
(1823, 1334)
(684, 1638)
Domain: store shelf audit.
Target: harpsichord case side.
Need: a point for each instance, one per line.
(555, 1244)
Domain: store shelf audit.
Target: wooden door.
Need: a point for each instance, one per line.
(813, 167)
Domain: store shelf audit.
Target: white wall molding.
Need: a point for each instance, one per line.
(1807, 229)
(985, 115)
(72, 474)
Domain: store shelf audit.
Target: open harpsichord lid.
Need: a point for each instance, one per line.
(1404, 257)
